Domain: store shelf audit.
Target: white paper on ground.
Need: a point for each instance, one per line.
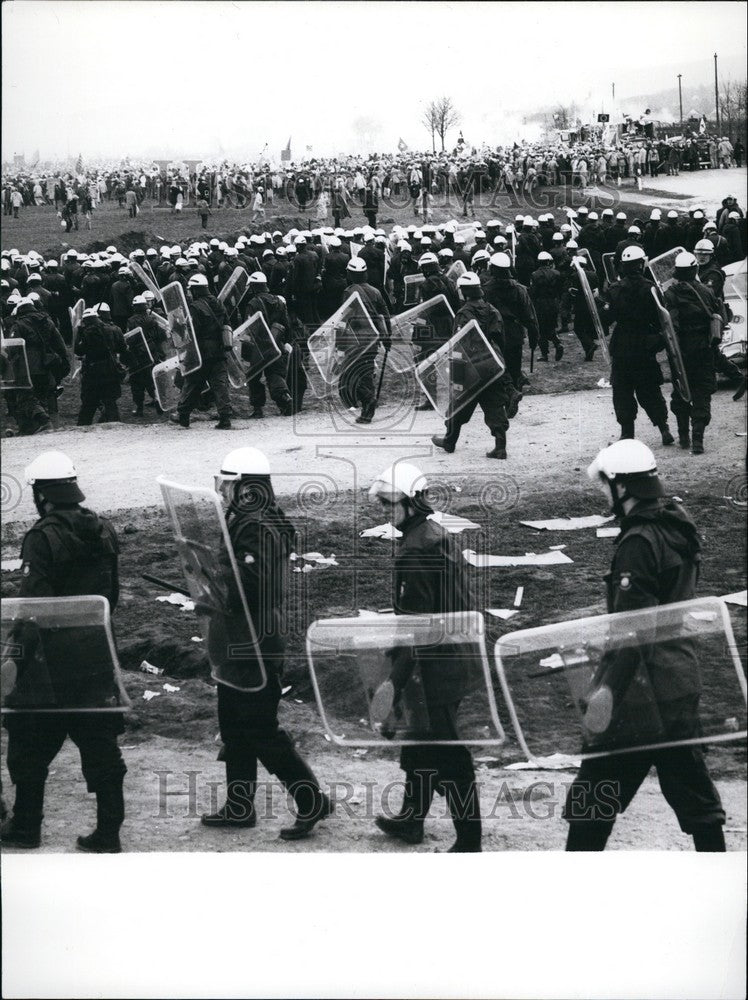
(739, 598)
(450, 522)
(529, 559)
(555, 762)
(611, 532)
(148, 695)
(568, 523)
(503, 613)
(518, 597)
(386, 531)
(180, 600)
(171, 688)
(8, 565)
(603, 383)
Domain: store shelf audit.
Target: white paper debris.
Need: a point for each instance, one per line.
(738, 598)
(170, 688)
(149, 695)
(603, 383)
(611, 532)
(452, 522)
(286, 689)
(556, 548)
(386, 531)
(518, 597)
(486, 760)
(556, 762)
(363, 613)
(181, 600)
(327, 737)
(529, 559)
(554, 662)
(503, 613)
(317, 557)
(568, 523)
(9, 565)
(197, 638)
(148, 668)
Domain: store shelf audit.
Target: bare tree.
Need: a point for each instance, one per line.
(430, 121)
(439, 117)
(732, 106)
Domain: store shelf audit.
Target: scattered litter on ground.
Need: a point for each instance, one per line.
(149, 695)
(197, 638)
(611, 532)
(386, 531)
(285, 690)
(452, 523)
(555, 762)
(503, 613)
(603, 383)
(528, 559)
(9, 565)
(180, 600)
(519, 595)
(568, 523)
(148, 668)
(171, 688)
(739, 598)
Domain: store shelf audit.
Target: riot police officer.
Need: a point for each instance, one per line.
(70, 550)
(430, 577)
(357, 379)
(656, 561)
(273, 309)
(262, 539)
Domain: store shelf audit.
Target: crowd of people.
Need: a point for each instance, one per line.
(526, 271)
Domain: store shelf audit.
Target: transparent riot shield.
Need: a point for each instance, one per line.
(149, 270)
(459, 370)
(58, 655)
(234, 291)
(14, 364)
(454, 272)
(662, 268)
(355, 248)
(419, 331)
(255, 346)
(181, 330)
(139, 357)
(658, 677)
(609, 267)
(235, 371)
(584, 252)
(589, 298)
(675, 358)
(76, 315)
(403, 680)
(412, 284)
(145, 278)
(343, 338)
(213, 580)
(167, 379)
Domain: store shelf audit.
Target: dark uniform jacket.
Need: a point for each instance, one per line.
(513, 302)
(45, 348)
(691, 306)
(636, 337)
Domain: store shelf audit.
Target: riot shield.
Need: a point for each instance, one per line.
(58, 655)
(255, 346)
(167, 383)
(609, 266)
(14, 364)
(455, 271)
(139, 357)
(404, 680)
(662, 268)
(76, 315)
(149, 271)
(181, 330)
(162, 323)
(419, 331)
(213, 580)
(459, 370)
(343, 338)
(412, 284)
(146, 279)
(355, 248)
(234, 291)
(589, 298)
(235, 371)
(675, 358)
(584, 252)
(652, 678)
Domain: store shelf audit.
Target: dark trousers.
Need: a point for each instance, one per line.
(513, 359)
(604, 787)
(35, 739)
(213, 371)
(643, 385)
(699, 367)
(357, 382)
(250, 733)
(491, 401)
(296, 378)
(140, 383)
(371, 219)
(547, 314)
(95, 395)
(274, 376)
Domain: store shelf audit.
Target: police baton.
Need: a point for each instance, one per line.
(165, 585)
(381, 374)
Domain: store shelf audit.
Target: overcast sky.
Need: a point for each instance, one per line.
(195, 78)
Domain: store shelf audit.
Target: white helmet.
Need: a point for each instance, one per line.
(53, 472)
(480, 255)
(258, 278)
(245, 462)
(468, 280)
(427, 258)
(398, 481)
(356, 265)
(704, 246)
(544, 256)
(685, 259)
(633, 253)
(631, 461)
(501, 260)
(197, 281)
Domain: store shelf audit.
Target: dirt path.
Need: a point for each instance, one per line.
(551, 443)
(521, 809)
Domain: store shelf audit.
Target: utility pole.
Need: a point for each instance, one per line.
(680, 100)
(716, 92)
(614, 93)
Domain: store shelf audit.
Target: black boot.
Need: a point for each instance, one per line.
(408, 830)
(311, 804)
(740, 391)
(110, 813)
(499, 450)
(182, 419)
(256, 414)
(684, 432)
(710, 837)
(24, 828)
(444, 442)
(425, 405)
(408, 824)
(697, 446)
(588, 835)
(224, 424)
(464, 806)
(627, 431)
(559, 351)
(667, 437)
(238, 812)
(367, 413)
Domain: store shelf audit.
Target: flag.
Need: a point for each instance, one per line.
(702, 125)
(401, 145)
(308, 149)
(79, 164)
(286, 153)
